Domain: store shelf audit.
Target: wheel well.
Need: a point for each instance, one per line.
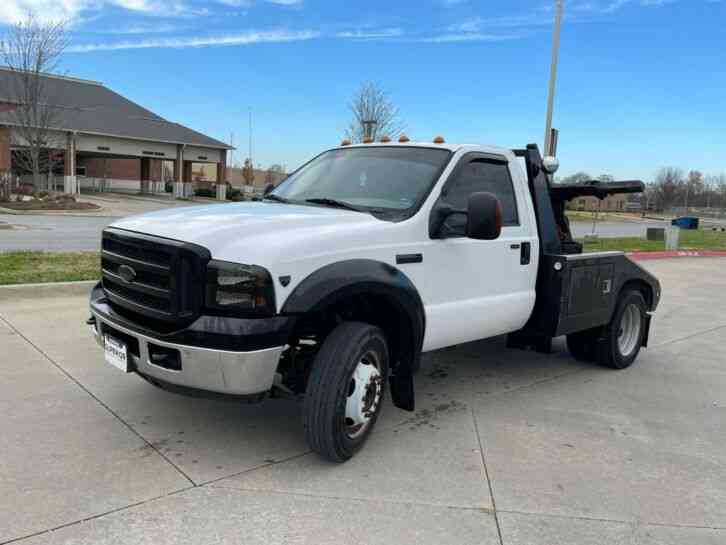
(642, 287)
(375, 308)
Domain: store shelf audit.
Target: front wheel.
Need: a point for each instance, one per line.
(345, 391)
(624, 334)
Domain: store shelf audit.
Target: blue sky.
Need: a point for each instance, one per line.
(642, 82)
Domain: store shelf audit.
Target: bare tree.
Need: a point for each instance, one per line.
(373, 114)
(576, 178)
(31, 49)
(669, 184)
(248, 172)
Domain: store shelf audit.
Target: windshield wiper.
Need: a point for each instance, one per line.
(335, 203)
(276, 198)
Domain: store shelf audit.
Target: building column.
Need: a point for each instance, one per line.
(188, 179)
(179, 172)
(69, 179)
(5, 157)
(145, 174)
(222, 176)
(5, 163)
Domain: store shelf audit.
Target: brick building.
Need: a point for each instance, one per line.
(102, 135)
(612, 203)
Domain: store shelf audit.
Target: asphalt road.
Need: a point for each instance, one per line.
(611, 229)
(52, 233)
(72, 233)
(506, 447)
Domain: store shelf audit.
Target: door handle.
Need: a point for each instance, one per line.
(526, 254)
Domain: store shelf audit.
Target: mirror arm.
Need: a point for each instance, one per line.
(438, 217)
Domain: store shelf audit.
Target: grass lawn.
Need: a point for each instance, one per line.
(582, 216)
(35, 267)
(689, 240)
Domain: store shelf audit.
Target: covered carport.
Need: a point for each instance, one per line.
(91, 122)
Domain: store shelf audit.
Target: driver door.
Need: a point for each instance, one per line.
(481, 288)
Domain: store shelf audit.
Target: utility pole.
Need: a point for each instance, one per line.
(250, 147)
(230, 158)
(559, 6)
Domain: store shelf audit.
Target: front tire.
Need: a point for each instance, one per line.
(624, 334)
(345, 390)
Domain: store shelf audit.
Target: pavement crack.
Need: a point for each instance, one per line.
(486, 474)
(693, 335)
(73, 379)
(634, 523)
(256, 468)
(359, 499)
(97, 516)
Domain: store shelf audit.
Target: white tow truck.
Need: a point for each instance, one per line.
(332, 286)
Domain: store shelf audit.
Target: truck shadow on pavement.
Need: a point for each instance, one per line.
(212, 439)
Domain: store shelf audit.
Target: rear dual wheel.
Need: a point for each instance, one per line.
(617, 344)
(345, 391)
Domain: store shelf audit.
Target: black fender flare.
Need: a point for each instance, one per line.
(343, 279)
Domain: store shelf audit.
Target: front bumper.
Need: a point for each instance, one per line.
(197, 369)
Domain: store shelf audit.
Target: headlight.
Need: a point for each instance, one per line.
(241, 290)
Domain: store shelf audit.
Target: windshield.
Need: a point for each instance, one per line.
(390, 182)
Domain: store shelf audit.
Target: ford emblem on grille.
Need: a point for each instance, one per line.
(127, 273)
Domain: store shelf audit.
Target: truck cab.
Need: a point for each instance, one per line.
(332, 286)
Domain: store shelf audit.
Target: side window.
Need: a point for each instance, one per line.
(480, 175)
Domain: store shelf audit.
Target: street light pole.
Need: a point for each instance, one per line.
(553, 75)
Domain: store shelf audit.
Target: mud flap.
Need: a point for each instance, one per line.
(402, 393)
(646, 335)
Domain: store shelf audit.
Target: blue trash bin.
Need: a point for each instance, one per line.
(686, 222)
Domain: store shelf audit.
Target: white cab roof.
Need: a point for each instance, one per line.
(451, 147)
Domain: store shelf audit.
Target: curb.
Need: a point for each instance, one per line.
(33, 291)
(670, 254)
(100, 212)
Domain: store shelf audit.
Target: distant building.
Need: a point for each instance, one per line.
(612, 203)
(236, 179)
(103, 135)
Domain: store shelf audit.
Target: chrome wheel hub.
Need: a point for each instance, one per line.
(364, 396)
(629, 333)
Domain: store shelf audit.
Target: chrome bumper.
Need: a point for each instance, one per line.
(235, 373)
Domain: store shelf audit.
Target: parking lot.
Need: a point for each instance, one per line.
(505, 446)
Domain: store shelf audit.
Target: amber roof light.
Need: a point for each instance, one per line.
(385, 139)
(367, 140)
(345, 142)
(439, 140)
(403, 139)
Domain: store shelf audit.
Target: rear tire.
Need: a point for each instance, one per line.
(623, 336)
(345, 390)
(583, 344)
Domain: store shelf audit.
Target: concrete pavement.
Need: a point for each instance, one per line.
(506, 447)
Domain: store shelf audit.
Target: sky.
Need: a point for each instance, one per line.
(642, 83)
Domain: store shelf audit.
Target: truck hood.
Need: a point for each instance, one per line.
(253, 230)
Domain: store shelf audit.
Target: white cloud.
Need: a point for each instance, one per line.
(244, 38)
(370, 34)
(470, 37)
(158, 28)
(12, 11)
(285, 2)
(236, 3)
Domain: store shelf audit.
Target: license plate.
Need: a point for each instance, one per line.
(116, 353)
